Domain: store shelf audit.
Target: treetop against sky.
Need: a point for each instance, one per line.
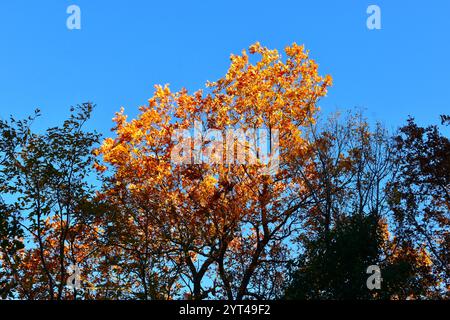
(228, 170)
(123, 49)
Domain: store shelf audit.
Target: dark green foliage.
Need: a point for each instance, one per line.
(42, 175)
(419, 195)
(338, 270)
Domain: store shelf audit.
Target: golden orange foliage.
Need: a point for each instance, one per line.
(228, 217)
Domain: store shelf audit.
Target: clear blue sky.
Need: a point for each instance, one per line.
(125, 47)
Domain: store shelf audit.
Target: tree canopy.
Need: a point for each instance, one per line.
(241, 190)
